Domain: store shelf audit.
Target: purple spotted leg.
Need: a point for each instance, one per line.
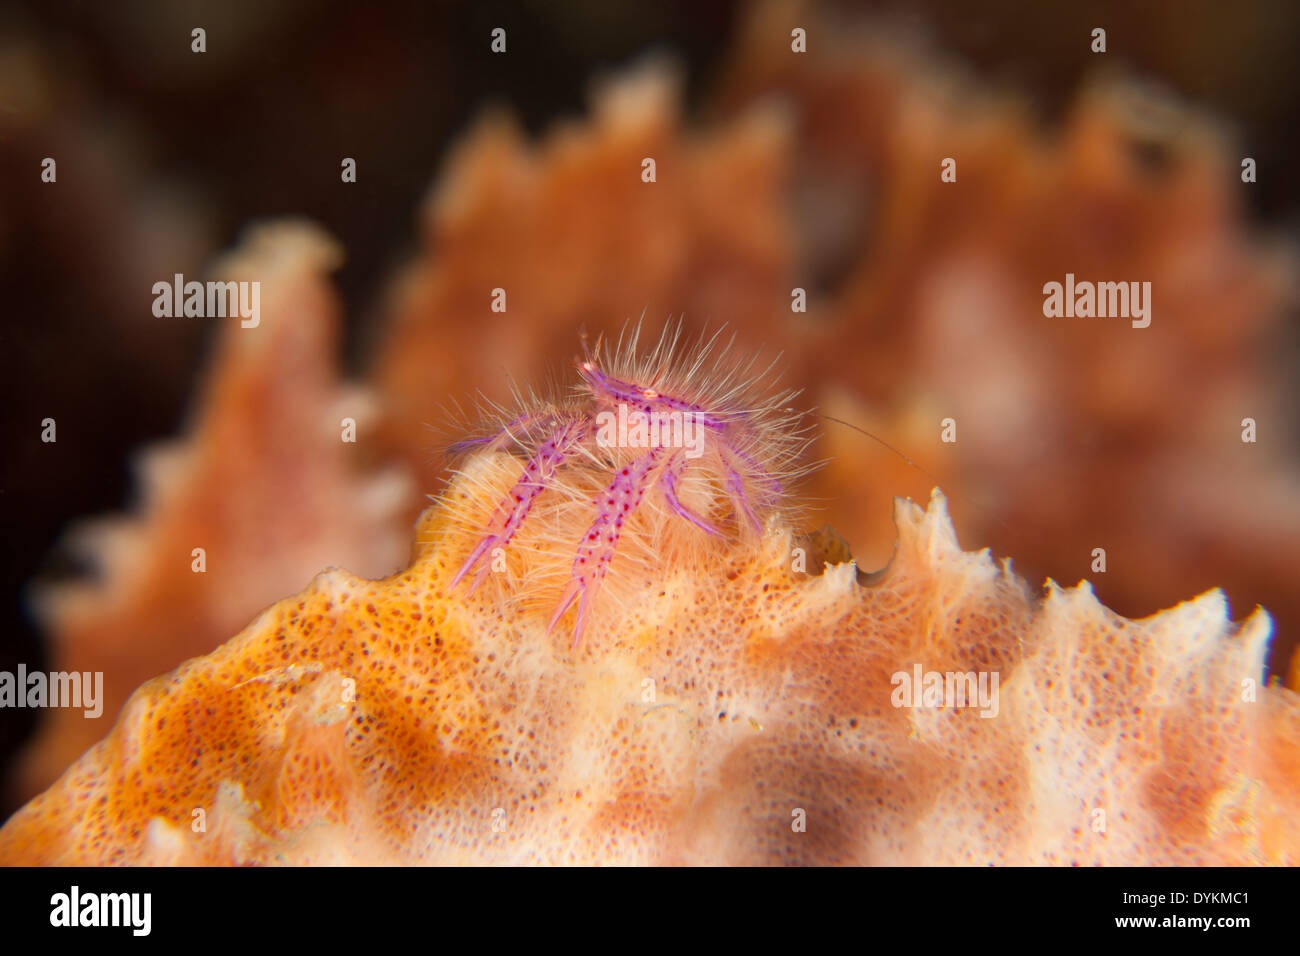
(740, 500)
(668, 480)
(597, 548)
(510, 514)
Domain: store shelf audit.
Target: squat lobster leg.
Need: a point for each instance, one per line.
(740, 500)
(510, 514)
(597, 548)
(668, 481)
(504, 435)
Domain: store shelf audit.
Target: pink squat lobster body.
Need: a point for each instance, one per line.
(748, 444)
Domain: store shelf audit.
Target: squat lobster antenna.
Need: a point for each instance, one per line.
(873, 437)
(590, 353)
(876, 438)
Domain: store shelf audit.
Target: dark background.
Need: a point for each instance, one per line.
(164, 155)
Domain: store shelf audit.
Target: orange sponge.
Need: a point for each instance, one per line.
(729, 707)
